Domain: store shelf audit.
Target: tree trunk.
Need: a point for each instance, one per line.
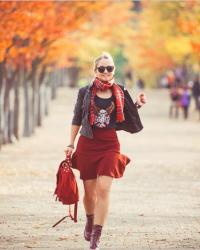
(40, 100)
(27, 129)
(6, 129)
(2, 117)
(1, 101)
(62, 77)
(35, 94)
(16, 105)
(9, 119)
(46, 94)
(39, 113)
(53, 84)
(73, 73)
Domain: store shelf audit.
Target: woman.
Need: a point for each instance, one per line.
(102, 107)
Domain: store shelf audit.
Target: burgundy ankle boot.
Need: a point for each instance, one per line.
(95, 237)
(88, 226)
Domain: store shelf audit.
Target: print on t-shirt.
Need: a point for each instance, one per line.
(102, 116)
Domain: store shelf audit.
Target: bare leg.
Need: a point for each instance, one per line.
(176, 110)
(103, 186)
(171, 111)
(90, 196)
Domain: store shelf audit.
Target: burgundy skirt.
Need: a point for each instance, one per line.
(100, 155)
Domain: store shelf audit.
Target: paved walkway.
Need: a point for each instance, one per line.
(155, 206)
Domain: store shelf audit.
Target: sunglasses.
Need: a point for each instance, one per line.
(101, 69)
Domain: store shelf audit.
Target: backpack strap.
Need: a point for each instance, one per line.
(60, 221)
(75, 211)
(74, 218)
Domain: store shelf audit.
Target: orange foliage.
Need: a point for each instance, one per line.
(196, 47)
(155, 59)
(188, 26)
(29, 28)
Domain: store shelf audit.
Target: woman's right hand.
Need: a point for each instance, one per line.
(68, 151)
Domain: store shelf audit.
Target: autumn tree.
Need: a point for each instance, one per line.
(29, 58)
(166, 34)
(42, 44)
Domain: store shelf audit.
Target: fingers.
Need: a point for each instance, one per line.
(68, 152)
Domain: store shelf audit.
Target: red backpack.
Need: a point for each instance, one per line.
(67, 189)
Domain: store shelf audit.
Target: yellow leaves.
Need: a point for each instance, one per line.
(165, 34)
(196, 48)
(61, 51)
(116, 13)
(178, 47)
(188, 26)
(89, 48)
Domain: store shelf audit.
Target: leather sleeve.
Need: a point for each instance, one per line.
(76, 120)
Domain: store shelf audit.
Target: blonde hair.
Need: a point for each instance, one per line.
(104, 55)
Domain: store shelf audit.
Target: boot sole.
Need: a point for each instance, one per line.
(87, 238)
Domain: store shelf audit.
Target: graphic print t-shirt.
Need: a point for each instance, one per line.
(105, 112)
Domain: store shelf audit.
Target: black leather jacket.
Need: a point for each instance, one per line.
(132, 122)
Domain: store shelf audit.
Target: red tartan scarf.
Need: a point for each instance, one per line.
(118, 93)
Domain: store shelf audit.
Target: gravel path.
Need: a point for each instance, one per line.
(156, 205)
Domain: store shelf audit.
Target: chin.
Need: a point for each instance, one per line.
(106, 78)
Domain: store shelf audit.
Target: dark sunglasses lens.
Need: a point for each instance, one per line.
(101, 69)
(110, 68)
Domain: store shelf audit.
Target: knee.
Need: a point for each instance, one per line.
(90, 197)
(102, 192)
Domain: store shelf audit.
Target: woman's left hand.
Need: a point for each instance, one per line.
(141, 99)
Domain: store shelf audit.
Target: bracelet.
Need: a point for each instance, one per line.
(70, 146)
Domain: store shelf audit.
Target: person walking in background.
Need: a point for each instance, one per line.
(102, 107)
(199, 106)
(185, 101)
(196, 91)
(175, 95)
(140, 83)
